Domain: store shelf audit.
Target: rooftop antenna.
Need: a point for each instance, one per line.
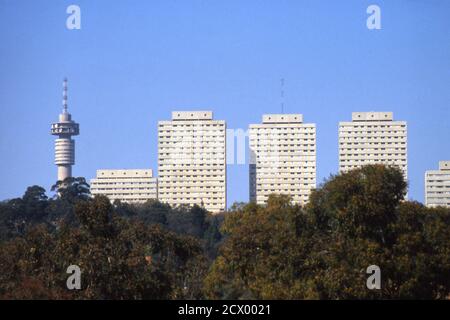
(65, 95)
(282, 94)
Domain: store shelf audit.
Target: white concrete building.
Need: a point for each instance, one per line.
(437, 186)
(130, 185)
(191, 160)
(282, 157)
(373, 138)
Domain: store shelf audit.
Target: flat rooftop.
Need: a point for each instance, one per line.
(126, 173)
(282, 118)
(192, 115)
(372, 116)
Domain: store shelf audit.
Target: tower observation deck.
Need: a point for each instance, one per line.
(65, 128)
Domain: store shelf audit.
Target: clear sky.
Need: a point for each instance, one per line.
(133, 62)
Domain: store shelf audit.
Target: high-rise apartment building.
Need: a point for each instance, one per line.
(282, 157)
(437, 186)
(191, 160)
(131, 185)
(373, 138)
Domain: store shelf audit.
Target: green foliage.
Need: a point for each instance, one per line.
(125, 251)
(119, 259)
(356, 219)
(72, 189)
(275, 251)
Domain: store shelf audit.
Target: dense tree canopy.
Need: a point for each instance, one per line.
(322, 251)
(276, 251)
(119, 259)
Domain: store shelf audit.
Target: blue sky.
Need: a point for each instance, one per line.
(133, 62)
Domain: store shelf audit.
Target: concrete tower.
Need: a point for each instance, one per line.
(282, 158)
(373, 138)
(65, 128)
(192, 160)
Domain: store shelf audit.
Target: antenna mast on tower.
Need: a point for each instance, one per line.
(282, 94)
(65, 95)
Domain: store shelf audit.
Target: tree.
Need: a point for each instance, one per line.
(258, 258)
(17, 214)
(153, 211)
(188, 220)
(72, 189)
(322, 251)
(34, 202)
(119, 259)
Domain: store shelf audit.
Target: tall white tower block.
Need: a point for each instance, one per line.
(282, 158)
(65, 128)
(373, 138)
(191, 160)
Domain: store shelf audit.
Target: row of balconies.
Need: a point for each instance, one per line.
(284, 148)
(197, 136)
(109, 192)
(372, 150)
(208, 169)
(210, 143)
(282, 127)
(189, 123)
(394, 125)
(376, 154)
(294, 172)
(372, 139)
(280, 188)
(285, 162)
(438, 177)
(190, 192)
(393, 160)
(190, 148)
(118, 181)
(195, 200)
(288, 154)
(261, 150)
(281, 135)
(188, 185)
(171, 180)
(189, 175)
(193, 160)
(437, 184)
(291, 177)
(372, 128)
(397, 130)
(306, 191)
(95, 186)
(192, 154)
(178, 163)
(267, 165)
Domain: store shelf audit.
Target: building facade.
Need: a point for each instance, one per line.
(437, 186)
(282, 158)
(191, 160)
(130, 185)
(373, 138)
